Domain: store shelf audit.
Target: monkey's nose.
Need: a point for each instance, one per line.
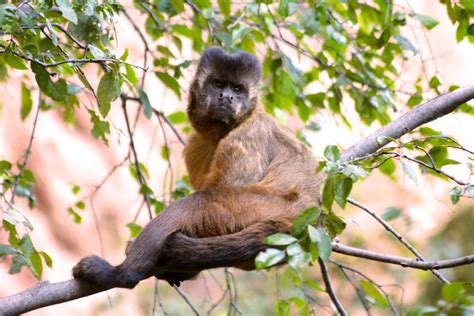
(226, 96)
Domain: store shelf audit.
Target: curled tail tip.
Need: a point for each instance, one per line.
(91, 269)
(97, 270)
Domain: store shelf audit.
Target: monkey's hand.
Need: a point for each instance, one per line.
(175, 278)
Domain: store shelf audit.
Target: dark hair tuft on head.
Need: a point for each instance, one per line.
(240, 64)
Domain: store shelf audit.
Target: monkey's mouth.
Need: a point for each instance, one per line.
(222, 111)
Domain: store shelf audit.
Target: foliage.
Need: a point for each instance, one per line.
(352, 47)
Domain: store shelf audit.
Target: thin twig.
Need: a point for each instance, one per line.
(185, 298)
(395, 233)
(329, 288)
(343, 267)
(27, 152)
(74, 61)
(141, 178)
(402, 261)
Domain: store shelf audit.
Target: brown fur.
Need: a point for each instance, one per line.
(253, 178)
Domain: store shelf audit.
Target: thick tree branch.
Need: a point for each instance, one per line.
(422, 114)
(183, 252)
(46, 294)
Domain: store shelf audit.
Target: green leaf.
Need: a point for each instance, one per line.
(183, 30)
(158, 205)
(427, 131)
(145, 102)
(47, 259)
(76, 217)
(7, 250)
(100, 128)
(470, 191)
(435, 83)
(388, 167)
(343, 186)
(14, 61)
(26, 101)
(391, 213)
(67, 10)
(143, 170)
(328, 193)
(57, 91)
(299, 260)
(282, 308)
(268, 258)
(414, 100)
(406, 44)
(165, 152)
(307, 217)
(131, 75)
(124, 55)
(426, 21)
(366, 23)
(324, 245)
(170, 82)
(135, 229)
(178, 5)
(334, 224)
(75, 189)
(452, 292)
(409, 171)
(96, 51)
(280, 239)
(5, 166)
(374, 292)
(455, 194)
(332, 153)
(80, 205)
(36, 264)
(224, 6)
(105, 92)
(178, 117)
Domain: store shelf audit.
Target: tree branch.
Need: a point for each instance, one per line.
(422, 114)
(179, 247)
(402, 261)
(329, 288)
(396, 234)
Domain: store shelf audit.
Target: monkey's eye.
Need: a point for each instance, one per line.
(218, 84)
(237, 88)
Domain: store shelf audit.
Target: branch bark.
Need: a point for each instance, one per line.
(422, 114)
(402, 261)
(182, 251)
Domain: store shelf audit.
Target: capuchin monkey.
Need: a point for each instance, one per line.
(252, 178)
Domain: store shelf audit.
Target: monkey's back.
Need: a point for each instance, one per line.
(292, 166)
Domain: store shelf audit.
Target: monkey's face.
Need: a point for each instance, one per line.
(225, 89)
(223, 99)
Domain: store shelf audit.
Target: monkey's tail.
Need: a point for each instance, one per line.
(140, 262)
(99, 271)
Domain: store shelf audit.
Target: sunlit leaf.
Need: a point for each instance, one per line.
(26, 101)
(280, 239)
(105, 92)
(269, 258)
(374, 292)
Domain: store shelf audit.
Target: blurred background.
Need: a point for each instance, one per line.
(65, 156)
